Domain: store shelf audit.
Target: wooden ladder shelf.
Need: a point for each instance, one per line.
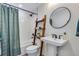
(43, 24)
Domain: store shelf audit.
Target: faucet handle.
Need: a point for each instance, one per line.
(60, 36)
(54, 35)
(65, 33)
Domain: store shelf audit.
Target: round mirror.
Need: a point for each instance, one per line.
(60, 17)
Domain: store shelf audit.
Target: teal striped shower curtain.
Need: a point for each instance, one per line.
(10, 41)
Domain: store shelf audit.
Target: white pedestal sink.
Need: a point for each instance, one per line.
(52, 44)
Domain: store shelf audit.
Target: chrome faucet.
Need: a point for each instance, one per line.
(54, 36)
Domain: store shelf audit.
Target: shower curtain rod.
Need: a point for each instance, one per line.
(21, 8)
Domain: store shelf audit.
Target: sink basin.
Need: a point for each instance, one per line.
(54, 41)
(52, 45)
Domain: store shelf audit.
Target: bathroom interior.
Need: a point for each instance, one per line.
(39, 29)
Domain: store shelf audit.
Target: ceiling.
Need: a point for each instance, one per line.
(28, 6)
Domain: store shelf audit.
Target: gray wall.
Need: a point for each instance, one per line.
(71, 48)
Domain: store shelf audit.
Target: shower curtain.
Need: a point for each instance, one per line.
(10, 41)
(77, 32)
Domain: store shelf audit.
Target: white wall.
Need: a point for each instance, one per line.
(71, 48)
(27, 6)
(26, 25)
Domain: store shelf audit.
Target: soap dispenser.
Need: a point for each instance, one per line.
(65, 36)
